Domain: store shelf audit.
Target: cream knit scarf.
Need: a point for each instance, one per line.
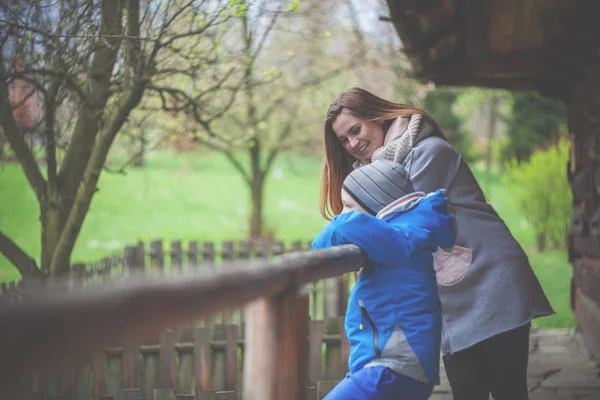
(397, 150)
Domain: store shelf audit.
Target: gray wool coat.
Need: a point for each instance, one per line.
(485, 282)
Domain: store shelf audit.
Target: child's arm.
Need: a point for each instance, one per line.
(382, 242)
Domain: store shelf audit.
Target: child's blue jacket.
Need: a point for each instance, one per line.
(393, 317)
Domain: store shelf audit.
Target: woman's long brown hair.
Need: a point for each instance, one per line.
(338, 163)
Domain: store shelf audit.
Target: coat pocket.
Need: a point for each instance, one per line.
(452, 266)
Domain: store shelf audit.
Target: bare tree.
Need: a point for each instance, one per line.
(264, 120)
(92, 60)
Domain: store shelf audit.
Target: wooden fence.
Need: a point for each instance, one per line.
(193, 361)
(207, 358)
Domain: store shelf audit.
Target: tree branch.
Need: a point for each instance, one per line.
(238, 166)
(90, 116)
(133, 29)
(17, 142)
(26, 265)
(88, 186)
(49, 118)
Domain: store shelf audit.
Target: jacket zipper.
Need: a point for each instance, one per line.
(365, 314)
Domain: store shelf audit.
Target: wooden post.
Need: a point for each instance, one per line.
(296, 246)
(83, 375)
(333, 358)
(176, 256)
(208, 252)
(186, 360)
(344, 346)
(132, 259)
(208, 256)
(227, 254)
(218, 358)
(231, 337)
(263, 249)
(244, 253)
(77, 275)
(276, 361)
(140, 256)
(106, 270)
(131, 366)
(193, 254)
(114, 373)
(202, 358)
(157, 256)
(315, 351)
(98, 374)
(151, 370)
(278, 248)
(168, 357)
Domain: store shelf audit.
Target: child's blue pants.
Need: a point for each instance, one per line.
(379, 383)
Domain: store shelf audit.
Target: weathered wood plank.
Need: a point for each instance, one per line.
(231, 355)
(344, 346)
(202, 358)
(333, 357)
(168, 360)
(176, 256)
(587, 277)
(587, 314)
(185, 366)
(131, 367)
(157, 256)
(315, 351)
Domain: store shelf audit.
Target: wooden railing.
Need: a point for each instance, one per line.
(55, 329)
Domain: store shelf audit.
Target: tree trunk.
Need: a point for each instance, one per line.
(52, 226)
(140, 152)
(256, 217)
(493, 122)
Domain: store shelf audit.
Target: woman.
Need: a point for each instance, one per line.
(488, 290)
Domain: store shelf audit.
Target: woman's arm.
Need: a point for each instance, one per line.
(432, 164)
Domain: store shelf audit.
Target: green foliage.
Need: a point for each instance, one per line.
(534, 122)
(541, 190)
(239, 8)
(438, 103)
(294, 5)
(474, 99)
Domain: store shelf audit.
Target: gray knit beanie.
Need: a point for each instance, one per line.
(378, 184)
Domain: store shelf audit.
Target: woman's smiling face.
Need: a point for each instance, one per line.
(359, 137)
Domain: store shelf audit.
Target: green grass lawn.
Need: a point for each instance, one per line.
(200, 197)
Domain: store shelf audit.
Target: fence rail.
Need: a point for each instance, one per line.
(275, 347)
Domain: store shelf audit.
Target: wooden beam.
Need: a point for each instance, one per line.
(516, 25)
(421, 22)
(509, 65)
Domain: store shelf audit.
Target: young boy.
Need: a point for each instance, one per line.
(393, 319)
